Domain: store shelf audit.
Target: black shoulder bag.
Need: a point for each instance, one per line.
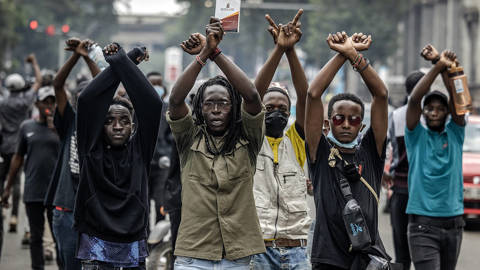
(353, 218)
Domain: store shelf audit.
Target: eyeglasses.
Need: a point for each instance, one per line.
(353, 120)
(220, 105)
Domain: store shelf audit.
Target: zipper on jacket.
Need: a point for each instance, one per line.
(275, 173)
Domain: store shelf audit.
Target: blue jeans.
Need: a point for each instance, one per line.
(187, 263)
(294, 258)
(66, 238)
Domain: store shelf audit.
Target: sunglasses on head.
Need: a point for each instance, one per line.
(353, 120)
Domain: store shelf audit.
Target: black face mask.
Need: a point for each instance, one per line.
(275, 123)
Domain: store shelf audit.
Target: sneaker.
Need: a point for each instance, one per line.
(13, 224)
(26, 240)
(48, 256)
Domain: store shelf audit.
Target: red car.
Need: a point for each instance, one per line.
(471, 168)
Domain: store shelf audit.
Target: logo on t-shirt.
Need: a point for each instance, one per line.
(30, 134)
(355, 228)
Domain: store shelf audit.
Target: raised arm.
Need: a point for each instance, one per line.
(379, 109)
(299, 79)
(196, 44)
(414, 108)
(93, 104)
(238, 79)
(146, 102)
(62, 74)
(36, 69)
(266, 73)
(314, 114)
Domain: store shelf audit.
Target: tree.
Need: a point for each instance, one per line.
(95, 19)
(378, 18)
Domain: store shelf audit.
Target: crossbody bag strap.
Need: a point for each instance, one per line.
(334, 153)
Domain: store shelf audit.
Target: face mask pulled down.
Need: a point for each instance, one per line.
(275, 123)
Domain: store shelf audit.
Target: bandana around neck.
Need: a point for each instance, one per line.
(350, 145)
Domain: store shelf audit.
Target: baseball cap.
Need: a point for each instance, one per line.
(14, 82)
(435, 94)
(45, 92)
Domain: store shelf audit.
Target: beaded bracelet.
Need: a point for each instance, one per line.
(199, 60)
(357, 63)
(356, 59)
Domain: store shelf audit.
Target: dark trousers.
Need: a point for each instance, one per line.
(322, 266)
(399, 221)
(4, 167)
(435, 242)
(66, 238)
(175, 218)
(36, 220)
(157, 180)
(97, 265)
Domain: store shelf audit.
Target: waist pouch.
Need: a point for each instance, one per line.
(356, 226)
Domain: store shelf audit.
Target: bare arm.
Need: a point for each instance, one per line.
(379, 109)
(176, 105)
(266, 73)
(16, 164)
(59, 82)
(314, 114)
(241, 83)
(300, 83)
(414, 108)
(36, 69)
(238, 79)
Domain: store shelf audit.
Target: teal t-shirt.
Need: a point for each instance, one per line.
(435, 181)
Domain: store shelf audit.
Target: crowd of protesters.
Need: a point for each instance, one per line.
(225, 166)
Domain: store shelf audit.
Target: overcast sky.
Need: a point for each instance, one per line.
(149, 7)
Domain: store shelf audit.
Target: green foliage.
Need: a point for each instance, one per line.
(378, 18)
(95, 19)
(245, 47)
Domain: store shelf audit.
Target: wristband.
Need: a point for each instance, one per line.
(434, 61)
(366, 65)
(357, 63)
(355, 60)
(215, 53)
(199, 61)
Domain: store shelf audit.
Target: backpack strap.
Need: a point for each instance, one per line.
(334, 153)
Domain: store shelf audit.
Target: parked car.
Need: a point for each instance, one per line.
(471, 169)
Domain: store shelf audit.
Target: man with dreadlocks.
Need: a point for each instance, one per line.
(111, 207)
(217, 147)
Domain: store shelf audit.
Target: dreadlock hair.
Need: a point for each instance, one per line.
(234, 129)
(344, 96)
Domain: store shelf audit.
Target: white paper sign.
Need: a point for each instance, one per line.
(228, 11)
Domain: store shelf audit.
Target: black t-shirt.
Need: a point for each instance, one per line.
(41, 146)
(63, 186)
(331, 242)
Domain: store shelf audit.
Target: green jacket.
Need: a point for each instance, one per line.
(218, 208)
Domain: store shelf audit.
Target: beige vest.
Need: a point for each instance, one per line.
(280, 193)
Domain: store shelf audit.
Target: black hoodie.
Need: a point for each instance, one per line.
(112, 198)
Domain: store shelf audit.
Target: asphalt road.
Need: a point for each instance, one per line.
(16, 258)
